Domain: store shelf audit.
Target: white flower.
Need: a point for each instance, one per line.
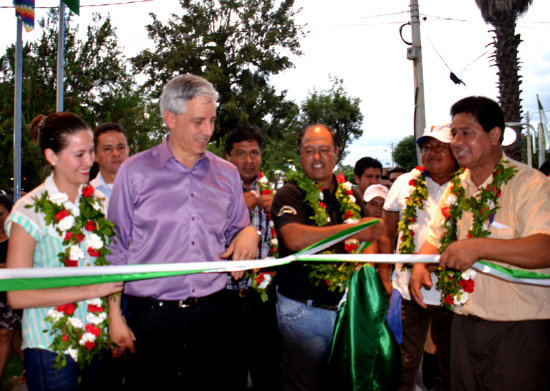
(94, 241)
(265, 282)
(321, 196)
(451, 199)
(491, 204)
(75, 211)
(66, 223)
(346, 185)
(75, 322)
(277, 172)
(463, 298)
(73, 353)
(328, 219)
(97, 301)
(469, 274)
(263, 180)
(76, 253)
(415, 173)
(58, 198)
(351, 220)
(96, 206)
(271, 224)
(55, 314)
(274, 242)
(97, 318)
(352, 199)
(87, 337)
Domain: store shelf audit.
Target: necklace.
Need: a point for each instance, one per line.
(83, 227)
(333, 274)
(455, 285)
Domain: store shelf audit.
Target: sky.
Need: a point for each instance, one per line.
(359, 42)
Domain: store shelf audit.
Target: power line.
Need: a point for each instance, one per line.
(88, 5)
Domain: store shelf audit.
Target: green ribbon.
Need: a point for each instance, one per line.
(364, 353)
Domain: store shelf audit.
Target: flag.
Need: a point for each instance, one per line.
(544, 125)
(364, 354)
(74, 5)
(24, 10)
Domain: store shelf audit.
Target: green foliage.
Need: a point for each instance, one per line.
(404, 154)
(335, 109)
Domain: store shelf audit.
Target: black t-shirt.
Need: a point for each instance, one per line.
(293, 280)
(3, 251)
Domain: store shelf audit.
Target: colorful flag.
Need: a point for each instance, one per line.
(74, 5)
(544, 125)
(24, 10)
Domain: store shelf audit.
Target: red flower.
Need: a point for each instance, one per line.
(87, 191)
(67, 309)
(350, 247)
(340, 178)
(267, 191)
(89, 345)
(90, 226)
(412, 182)
(70, 263)
(420, 168)
(498, 194)
(68, 237)
(61, 215)
(446, 211)
(92, 252)
(449, 300)
(322, 205)
(469, 235)
(467, 285)
(260, 278)
(348, 214)
(327, 282)
(260, 175)
(93, 329)
(94, 308)
(65, 337)
(349, 192)
(79, 238)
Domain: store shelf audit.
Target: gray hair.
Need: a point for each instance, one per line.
(183, 88)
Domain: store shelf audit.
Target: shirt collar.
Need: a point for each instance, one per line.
(167, 154)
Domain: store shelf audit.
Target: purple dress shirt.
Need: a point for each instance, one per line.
(165, 212)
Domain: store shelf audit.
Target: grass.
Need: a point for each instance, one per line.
(11, 374)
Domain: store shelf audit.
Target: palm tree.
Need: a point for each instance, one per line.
(502, 15)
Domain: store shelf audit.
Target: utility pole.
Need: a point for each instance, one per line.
(414, 53)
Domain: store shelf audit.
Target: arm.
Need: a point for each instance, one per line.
(250, 199)
(530, 252)
(21, 255)
(265, 202)
(385, 247)
(243, 246)
(123, 338)
(420, 275)
(298, 236)
(391, 219)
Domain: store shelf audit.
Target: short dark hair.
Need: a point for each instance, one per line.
(52, 131)
(333, 134)
(108, 127)
(486, 111)
(398, 169)
(243, 133)
(366, 162)
(7, 201)
(545, 168)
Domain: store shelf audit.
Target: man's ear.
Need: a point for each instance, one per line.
(169, 119)
(495, 135)
(356, 178)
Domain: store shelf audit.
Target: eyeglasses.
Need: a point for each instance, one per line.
(433, 147)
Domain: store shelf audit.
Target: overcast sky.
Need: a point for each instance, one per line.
(359, 41)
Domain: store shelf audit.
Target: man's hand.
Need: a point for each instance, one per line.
(251, 199)
(461, 255)
(243, 246)
(264, 202)
(420, 277)
(122, 337)
(371, 233)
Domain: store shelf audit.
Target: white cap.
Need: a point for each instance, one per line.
(439, 132)
(374, 191)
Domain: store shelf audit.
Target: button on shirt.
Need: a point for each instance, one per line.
(165, 212)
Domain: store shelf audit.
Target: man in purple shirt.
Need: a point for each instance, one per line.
(177, 202)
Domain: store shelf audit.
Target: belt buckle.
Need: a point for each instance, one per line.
(183, 304)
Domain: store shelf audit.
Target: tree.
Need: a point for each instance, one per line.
(236, 45)
(335, 109)
(404, 154)
(502, 15)
(98, 87)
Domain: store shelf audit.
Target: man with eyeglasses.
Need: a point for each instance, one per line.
(111, 149)
(439, 167)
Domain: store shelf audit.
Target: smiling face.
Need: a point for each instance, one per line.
(247, 156)
(72, 164)
(190, 132)
(318, 155)
(111, 150)
(437, 158)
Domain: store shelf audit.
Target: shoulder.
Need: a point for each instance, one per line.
(399, 190)
(219, 164)
(289, 190)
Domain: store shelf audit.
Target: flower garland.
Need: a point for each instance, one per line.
(334, 274)
(455, 286)
(415, 202)
(83, 226)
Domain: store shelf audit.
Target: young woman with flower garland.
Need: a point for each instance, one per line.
(61, 223)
